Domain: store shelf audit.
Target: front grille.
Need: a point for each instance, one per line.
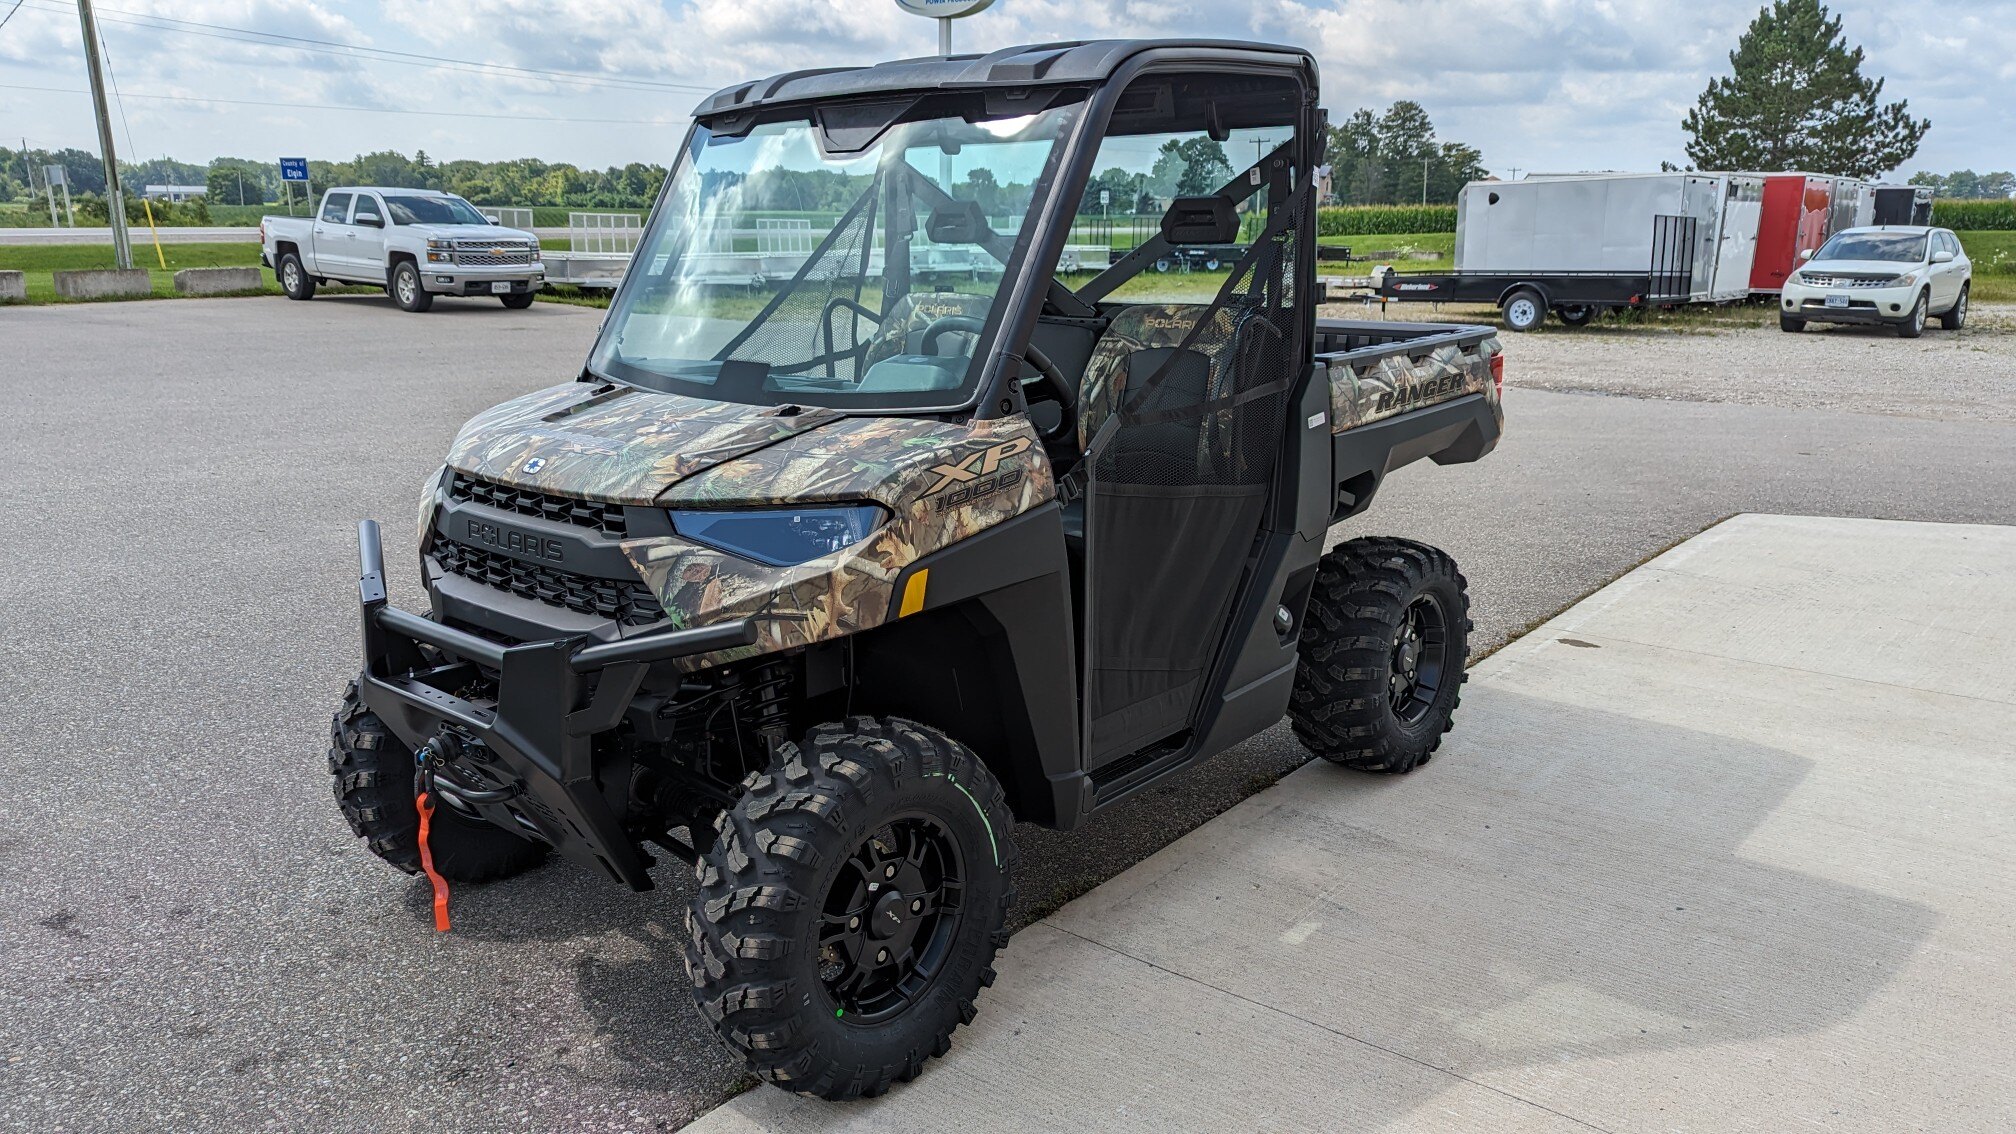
(485, 255)
(627, 601)
(1846, 281)
(605, 518)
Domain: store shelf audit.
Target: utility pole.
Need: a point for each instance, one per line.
(115, 199)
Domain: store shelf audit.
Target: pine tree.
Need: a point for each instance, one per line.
(1798, 100)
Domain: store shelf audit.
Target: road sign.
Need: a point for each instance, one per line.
(293, 169)
(55, 175)
(943, 9)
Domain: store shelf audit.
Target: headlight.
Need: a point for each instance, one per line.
(1905, 280)
(781, 537)
(440, 251)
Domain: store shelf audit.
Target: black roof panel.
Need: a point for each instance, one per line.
(1046, 64)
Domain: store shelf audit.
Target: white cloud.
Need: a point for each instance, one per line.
(1563, 84)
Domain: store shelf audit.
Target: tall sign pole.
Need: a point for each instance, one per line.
(944, 11)
(122, 244)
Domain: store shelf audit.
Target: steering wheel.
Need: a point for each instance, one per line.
(1047, 373)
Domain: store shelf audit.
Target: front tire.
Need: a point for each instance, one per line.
(1957, 318)
(373, 773)
(407, 290)
(1525, 310)
(1790, 325)
(518, 301)
(1381, 657)
(294, 279)
(1914, 323)
(848, 912)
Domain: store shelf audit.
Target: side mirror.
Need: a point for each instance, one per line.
(1805, 253)
(492, 218)
(372, 222)
(1942, 257)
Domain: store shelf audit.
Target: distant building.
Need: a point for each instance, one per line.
(173, 194)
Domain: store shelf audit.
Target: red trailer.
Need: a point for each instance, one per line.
(1796, 209)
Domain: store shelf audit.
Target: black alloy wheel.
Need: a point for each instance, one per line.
(1420, 651)
(888, 922)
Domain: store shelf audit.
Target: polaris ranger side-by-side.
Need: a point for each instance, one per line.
(821, 589)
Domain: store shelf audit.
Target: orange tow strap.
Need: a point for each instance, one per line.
(426, 806)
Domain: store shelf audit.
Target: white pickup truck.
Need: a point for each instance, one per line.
(414, 243)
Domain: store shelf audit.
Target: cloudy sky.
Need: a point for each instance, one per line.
(1538, 85)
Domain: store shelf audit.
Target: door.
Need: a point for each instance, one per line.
(1946, 277)
(367, 237)
(332, 227)
(1182, 410)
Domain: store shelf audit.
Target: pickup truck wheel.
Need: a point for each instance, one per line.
(1525, 310)
(373, 775)
(848, 912)
(294, 278)
(1957, 318)
(518, 302)
(1383, 645)
(406, 288)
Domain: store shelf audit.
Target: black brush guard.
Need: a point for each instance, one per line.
(552, 698)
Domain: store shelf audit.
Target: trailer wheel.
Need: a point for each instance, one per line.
(1576, 314)
(1162, 265)
(1524, 310)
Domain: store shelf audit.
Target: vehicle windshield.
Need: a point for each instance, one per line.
(1901, 247)
(432, 210)
(847, 260)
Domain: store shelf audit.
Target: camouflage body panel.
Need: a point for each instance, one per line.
(614, 443)
(916, 311)
(1143, 326)
(1379, 388)
(941, 481)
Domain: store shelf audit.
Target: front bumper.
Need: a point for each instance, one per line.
(1865, 304)
(451, 279)
(553, 696)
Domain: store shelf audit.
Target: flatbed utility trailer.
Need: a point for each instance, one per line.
(820, 596)
(1526, 297)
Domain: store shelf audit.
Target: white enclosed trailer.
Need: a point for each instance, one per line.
(1693, 233)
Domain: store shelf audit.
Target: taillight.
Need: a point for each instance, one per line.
(1498, 374)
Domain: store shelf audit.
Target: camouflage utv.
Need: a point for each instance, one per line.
(842, 557)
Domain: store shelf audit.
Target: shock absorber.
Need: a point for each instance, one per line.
(766, 695)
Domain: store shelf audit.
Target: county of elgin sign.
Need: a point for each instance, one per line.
(944, 9)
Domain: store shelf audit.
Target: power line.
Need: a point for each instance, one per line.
(520, 118)
(342, 50)
(10, 13)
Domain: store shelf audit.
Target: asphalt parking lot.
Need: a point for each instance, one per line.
(190, 935)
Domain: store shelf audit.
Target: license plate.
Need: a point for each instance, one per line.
(1837, 301)
(505, 289)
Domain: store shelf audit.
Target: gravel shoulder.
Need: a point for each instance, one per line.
(1739, 355)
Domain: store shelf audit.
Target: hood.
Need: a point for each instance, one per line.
(615, 443)
(1858, 267)
(473, 232)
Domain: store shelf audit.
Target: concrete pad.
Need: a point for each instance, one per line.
(1723, 847)
(217, 281)
(103, 283)
(13, 286)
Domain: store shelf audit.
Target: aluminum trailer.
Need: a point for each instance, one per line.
(1903, 204)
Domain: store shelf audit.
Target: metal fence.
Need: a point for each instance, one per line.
(604, 234)
(510, 216)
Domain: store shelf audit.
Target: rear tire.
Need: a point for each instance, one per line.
(406, 288)
(1576, 315)
(373, 774)
(1914, 323)
(1381, 657)
(1957, 318)
(1525, 310)
(1791, 326)
(294, 279)
(827, 983)
(517, 302)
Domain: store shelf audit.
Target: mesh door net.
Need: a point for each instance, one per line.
(1187, 402)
